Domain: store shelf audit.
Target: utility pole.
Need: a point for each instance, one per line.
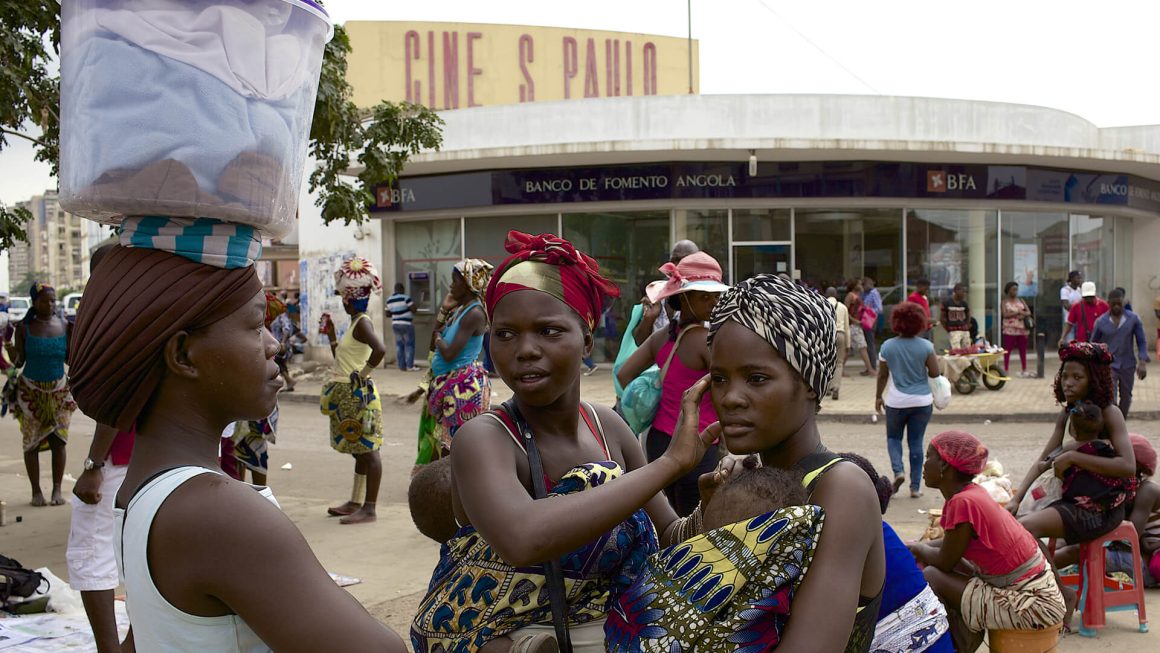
(689, 4)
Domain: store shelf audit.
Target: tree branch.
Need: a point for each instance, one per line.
(24, 136)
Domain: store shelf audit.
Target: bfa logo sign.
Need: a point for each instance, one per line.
(940, 181)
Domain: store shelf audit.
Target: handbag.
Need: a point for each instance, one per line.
(869, 318)
(1028, 321)
(552, 571)
(940, 390)
(642, 396)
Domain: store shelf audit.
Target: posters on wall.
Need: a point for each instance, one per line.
(318, 295)
(1026, 268)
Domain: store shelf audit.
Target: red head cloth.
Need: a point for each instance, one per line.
(961, 450)
(551, 265)
(1145, 454)
(274, 308)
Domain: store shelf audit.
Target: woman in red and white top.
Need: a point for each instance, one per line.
(1010, 585)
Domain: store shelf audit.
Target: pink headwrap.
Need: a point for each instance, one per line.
(551, 265)
(961, 450)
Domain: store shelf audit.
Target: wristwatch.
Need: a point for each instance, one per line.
(91, 464)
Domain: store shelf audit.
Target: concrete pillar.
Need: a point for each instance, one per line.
(977, 268)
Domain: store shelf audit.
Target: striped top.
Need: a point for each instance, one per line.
(400, 307)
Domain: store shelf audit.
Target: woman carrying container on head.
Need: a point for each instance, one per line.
(456, 386)
(351, 399)
(693, 285)
(205, 159)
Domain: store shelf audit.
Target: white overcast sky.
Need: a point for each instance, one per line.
(1094, 59)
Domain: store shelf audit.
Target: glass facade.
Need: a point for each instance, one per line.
(629, 247)
(983, 248)
(948, 247)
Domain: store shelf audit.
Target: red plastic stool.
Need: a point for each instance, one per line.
(1096, 597)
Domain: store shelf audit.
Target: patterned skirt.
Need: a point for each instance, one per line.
(729, 589)
(252, 440)
(43, 408)
(1032, 604)
(457, 396)
(356, 417)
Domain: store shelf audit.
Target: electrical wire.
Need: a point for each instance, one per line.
(817, 47)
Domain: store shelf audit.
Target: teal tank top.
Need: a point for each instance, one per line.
(467, 355)
(44, 357)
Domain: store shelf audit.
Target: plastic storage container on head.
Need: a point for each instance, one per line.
(188, 108)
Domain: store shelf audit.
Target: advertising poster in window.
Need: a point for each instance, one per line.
(1026, 267)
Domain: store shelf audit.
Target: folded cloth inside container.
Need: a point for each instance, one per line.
(170, 110)
(244, 46)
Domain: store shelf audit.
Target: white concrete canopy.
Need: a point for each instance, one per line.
(608, 131)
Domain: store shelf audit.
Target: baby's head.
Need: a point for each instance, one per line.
(752, 492)
(1087, 421)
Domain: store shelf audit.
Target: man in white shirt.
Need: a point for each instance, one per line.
(1069, 294)
(842, 333)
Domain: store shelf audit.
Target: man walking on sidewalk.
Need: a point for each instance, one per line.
(1119, 328)
(1083, 315)
(842, 334)
(402, 310)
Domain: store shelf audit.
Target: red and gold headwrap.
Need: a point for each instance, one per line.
(274, 308)
(551, 265)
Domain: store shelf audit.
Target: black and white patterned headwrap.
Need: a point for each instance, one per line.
(794, 320)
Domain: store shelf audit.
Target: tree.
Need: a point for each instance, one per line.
(384, 137)
(29, 93)
(380, 140)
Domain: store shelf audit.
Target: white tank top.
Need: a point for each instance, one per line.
(158, 626)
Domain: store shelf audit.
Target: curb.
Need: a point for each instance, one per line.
(835, 417)
(1020, 418)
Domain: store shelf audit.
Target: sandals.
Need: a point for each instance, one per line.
(542, 643)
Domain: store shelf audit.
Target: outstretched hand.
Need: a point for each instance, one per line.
(688, 445)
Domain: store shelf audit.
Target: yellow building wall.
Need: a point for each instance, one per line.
(461, 65)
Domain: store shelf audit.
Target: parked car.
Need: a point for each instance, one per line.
(18, 308)
(69, 305)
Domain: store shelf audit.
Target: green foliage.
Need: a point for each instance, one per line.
(29, 93)
(12, 223)
(380, 140)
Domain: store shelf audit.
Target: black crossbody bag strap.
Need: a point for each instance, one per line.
(552, 571)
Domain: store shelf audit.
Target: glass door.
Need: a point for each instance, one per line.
(752, 259)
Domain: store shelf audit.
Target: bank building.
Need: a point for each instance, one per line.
(602, 137)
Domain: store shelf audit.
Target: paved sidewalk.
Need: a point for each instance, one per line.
(1020, 400)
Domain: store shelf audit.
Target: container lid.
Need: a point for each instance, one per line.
(316, 9)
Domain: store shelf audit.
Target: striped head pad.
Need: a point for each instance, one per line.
(794, 320)
(201, 240)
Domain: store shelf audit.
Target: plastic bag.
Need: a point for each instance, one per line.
(641, 398)
(940, 388)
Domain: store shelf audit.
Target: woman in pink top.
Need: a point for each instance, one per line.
(1010, 585)
(692, 288)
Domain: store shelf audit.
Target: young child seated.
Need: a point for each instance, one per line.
(752, 493)
(735, 582)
